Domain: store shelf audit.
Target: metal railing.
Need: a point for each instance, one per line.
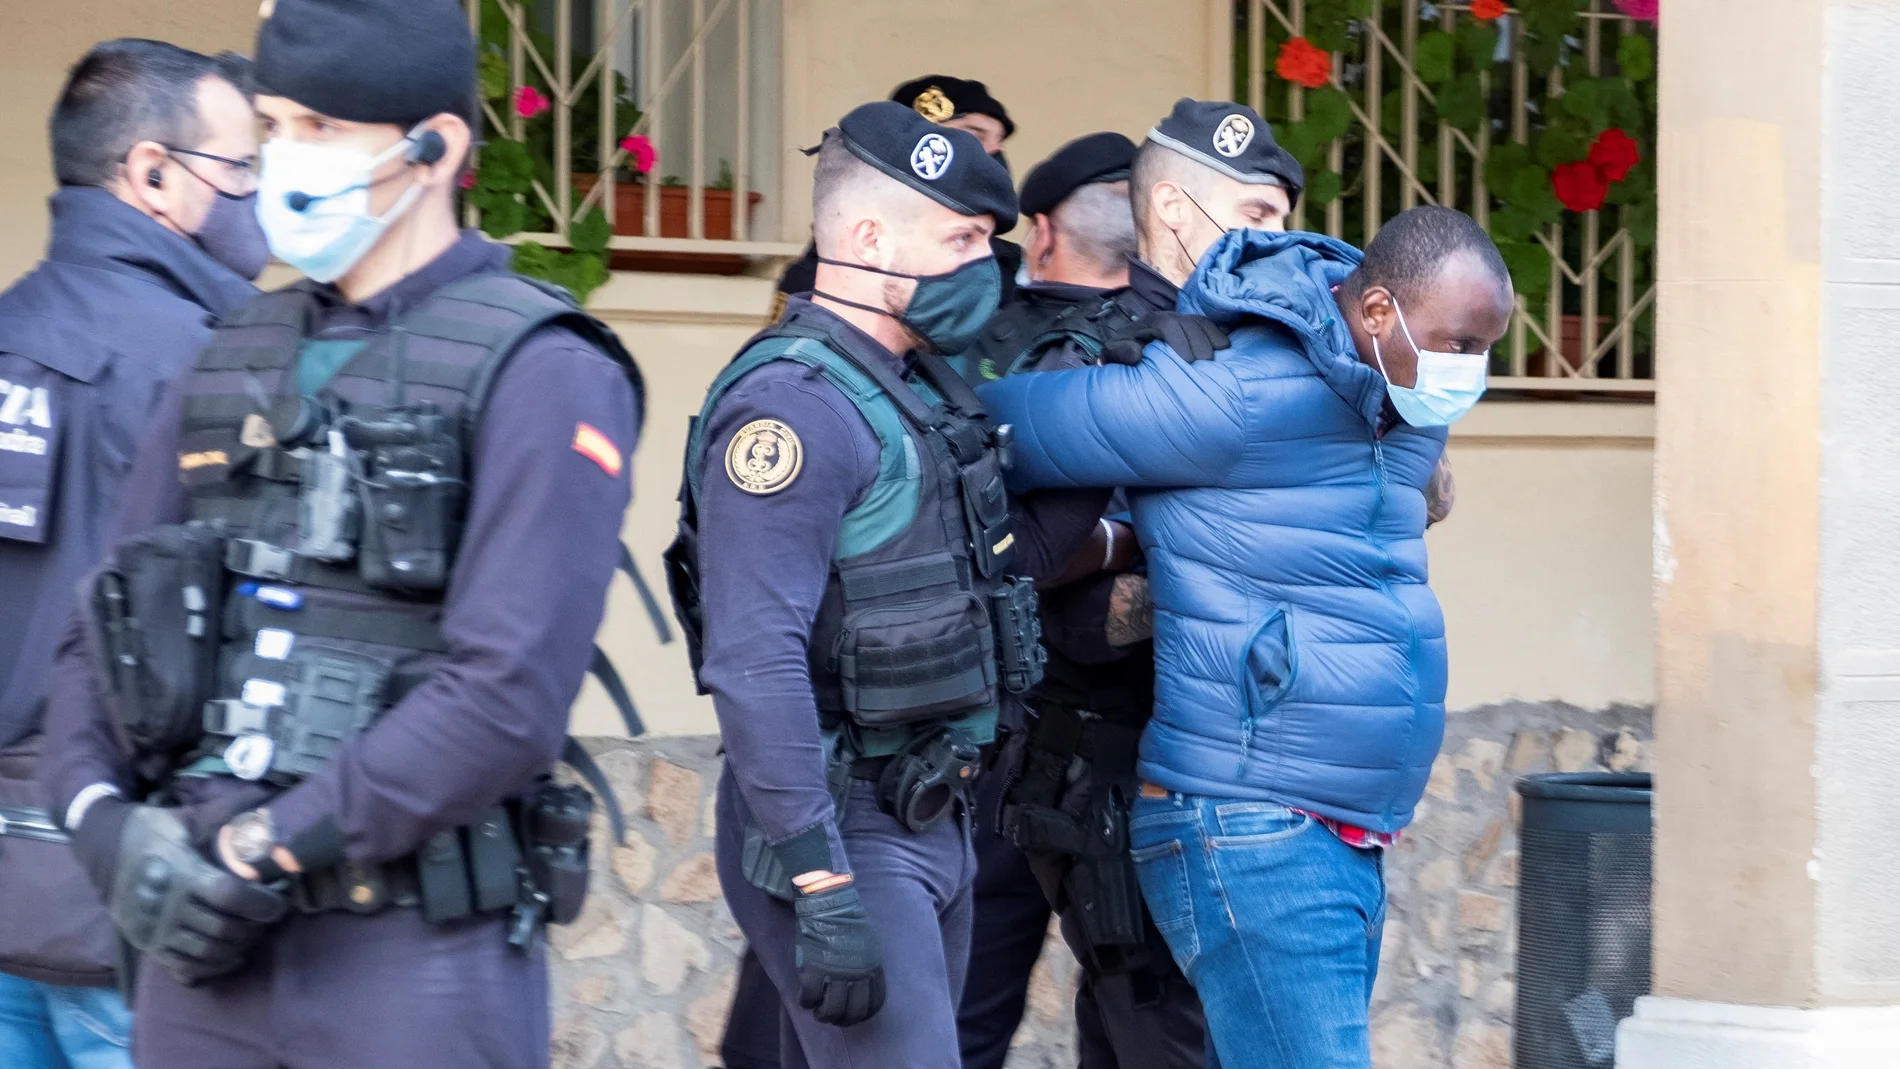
(1587, 331)
(696, 79)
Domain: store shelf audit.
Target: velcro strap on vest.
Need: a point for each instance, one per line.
(379, 626)
(862, 584)
(917, 674)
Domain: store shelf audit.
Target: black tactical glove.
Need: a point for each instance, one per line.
(193, 917)
(1193, 337)
(840, 964)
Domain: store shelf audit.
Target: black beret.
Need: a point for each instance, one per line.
(947, 165)
(938, 97)
(1232, 139)
(1103, 157)
(376, 61)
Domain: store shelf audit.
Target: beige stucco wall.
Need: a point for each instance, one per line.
(38, 43)
(1060, 75)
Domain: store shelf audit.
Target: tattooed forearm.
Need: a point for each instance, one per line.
(1131, 611)
(1440, 493)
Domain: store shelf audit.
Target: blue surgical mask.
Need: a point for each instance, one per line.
(313, 202)
(1448, 383)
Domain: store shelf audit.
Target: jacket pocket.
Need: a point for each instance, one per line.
(1268, 668)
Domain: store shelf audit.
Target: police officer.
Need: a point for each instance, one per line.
(857, 583)
(961, 104)
(337, 530)
(154, 236)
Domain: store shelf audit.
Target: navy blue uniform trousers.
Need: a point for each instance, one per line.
(389, 991)
(916, 889)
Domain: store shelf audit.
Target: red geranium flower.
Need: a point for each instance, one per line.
(1580, 186)
(468, 179)
(529, 102)
(1614, 153)
(1486, 10)
(1302, 62)
(1644, 10)
(640, 149)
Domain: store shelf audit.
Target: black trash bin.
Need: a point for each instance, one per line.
(1582, 916)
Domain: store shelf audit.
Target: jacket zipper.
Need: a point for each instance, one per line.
(1385, 585)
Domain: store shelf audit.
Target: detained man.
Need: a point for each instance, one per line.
(1279, 493)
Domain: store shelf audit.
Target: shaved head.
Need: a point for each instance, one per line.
(846, 189)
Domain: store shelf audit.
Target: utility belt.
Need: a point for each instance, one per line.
(918, 786)
(1071, 785)
(528, 858)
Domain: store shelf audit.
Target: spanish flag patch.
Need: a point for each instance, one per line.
(597, 447)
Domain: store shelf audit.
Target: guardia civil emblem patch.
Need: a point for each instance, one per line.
(764, 457)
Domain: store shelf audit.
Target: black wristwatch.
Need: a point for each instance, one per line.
(253, 841)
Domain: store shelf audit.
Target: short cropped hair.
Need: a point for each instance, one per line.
(1098, 225)
(1155, 162)
(124, 92)
(842, 183)
(1408, 252)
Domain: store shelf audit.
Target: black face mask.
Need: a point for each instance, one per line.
(231, 235)
(946, 311)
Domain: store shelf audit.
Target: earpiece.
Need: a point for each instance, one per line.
(155, 178)
(428, 148)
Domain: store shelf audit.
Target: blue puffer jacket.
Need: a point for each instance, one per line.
(1301, 657)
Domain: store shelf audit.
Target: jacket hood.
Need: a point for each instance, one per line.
(1288, 279)
(92, 228)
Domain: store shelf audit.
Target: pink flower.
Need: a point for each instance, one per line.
(1644, 10)
(640, 149)
(529, 102)
(468, 179)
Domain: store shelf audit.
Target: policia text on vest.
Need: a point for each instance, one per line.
(304, 595)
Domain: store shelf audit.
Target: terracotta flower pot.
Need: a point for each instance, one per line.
(630, 208)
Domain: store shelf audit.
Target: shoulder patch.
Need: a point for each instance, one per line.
(597, 447)
(764, 457)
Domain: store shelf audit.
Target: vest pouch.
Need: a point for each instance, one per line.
(557, 819)
(328, 517)
(328, 696)
(410, 527)
(153, 631)
(1018, 623)
(986, 510)
(920, 660)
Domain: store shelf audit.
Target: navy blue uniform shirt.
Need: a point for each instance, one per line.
(764, 561)
(525, 598)
(88, 339)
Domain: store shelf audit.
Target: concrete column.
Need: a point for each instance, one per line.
(1777, 540)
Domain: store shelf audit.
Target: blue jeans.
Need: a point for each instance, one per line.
(44, 1026)
(1273, 919)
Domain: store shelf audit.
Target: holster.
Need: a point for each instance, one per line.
(151, 614)
(1020, 658)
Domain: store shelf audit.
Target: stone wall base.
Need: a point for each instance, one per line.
(1669, 1033)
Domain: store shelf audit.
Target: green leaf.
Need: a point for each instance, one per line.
(1328, 113)
(1362, 9)
(1477, 43)
(503, 216)
(1543, 53)
(1558, 144)
(1625, 110)
(1461, 103)
(506, 166)
(1433, 58)
(1642, 224)
(592, 232)
(1529, 263)
(1299, 141)
(494, 76)
(1584, 100)
(1512, 224)
(1636, 56)
(1327, 26)
(1323, 188)
(1502, 163)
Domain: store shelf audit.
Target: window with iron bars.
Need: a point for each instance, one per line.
(628, 134)
(1539, 119)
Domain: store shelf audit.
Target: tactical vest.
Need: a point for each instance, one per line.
(919, 622)
(342, 516)
(1017, 338)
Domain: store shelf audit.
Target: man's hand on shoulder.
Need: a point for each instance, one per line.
(1194, 338)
